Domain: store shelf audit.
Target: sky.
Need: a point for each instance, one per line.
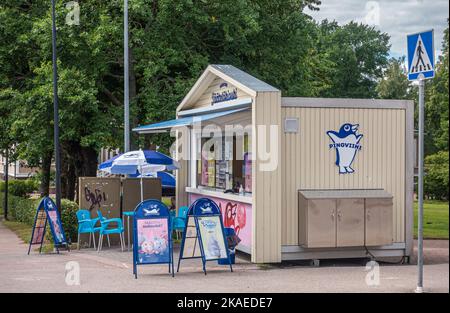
(395, 17)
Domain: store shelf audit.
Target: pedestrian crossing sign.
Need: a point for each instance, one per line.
(421, 59)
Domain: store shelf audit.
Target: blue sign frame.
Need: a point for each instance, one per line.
(152, 210)
(203, 207)
(427, 38)
(59, 238)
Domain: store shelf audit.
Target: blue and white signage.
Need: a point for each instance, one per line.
(225, 93)
(47, 213)
(421, 60)
(209, 234)
(152, 234)
(346, 142)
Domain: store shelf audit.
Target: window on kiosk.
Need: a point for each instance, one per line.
(225, 164)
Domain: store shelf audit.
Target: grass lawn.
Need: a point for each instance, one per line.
(435, 220)
(22, 230)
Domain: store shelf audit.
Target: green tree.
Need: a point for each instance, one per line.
(437, 104)
(171, 43)
(395, 83)
(359, 54)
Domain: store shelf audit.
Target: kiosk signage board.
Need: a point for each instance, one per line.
(152, 235)
(47, 213)
(208, 237)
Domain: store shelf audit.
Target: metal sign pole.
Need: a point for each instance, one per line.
(420, 184)
(421, 64)
(55, 112)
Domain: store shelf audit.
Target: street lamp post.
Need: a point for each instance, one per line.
(56, 113)
(126, 80)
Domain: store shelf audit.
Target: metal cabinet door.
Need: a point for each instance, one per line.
(321, 224)
(350, 222)
(379, 220)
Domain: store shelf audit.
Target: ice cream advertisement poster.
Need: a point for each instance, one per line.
(56, 226)
(213, 240)
(153, 241)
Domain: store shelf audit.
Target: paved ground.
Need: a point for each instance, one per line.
(111, 271)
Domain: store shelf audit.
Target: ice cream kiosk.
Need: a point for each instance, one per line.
(297, 178)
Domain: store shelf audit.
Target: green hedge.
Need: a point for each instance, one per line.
(20, 188)
(24, 210)
(437, 176)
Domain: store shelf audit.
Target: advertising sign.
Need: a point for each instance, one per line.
(235, 215)
(39, 228)
(213, 242)
(55, 222)
(209, 234)
(153, 241)
(47, 213)
(152, 235)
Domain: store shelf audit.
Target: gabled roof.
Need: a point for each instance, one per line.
(242, 80)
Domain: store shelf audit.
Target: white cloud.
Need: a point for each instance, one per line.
(396, 17)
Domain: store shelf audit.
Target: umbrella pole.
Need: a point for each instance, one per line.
(142, 187)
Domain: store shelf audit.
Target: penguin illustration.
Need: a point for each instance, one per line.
(346, 144)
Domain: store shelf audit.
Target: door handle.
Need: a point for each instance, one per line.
(339, 215)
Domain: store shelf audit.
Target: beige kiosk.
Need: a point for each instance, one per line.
(312, 178)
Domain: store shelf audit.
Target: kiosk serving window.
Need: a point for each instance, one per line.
(224, 163)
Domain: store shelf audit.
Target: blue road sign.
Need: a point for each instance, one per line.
(421, 58)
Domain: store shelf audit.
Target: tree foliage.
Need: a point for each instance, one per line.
(171, 43)
(437, 104)
(395, 83)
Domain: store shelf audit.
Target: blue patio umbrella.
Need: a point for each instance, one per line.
(167, 179)
(143, 162)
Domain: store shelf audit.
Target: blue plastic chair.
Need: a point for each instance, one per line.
(86, 225)
(179, 222)
(107, 229)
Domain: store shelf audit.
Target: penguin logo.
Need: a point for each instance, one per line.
(346, 143)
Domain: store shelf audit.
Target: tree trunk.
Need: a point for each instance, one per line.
(44, 188)
(65, 152)
(85, 166)
(70, 182)
(90, 161)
